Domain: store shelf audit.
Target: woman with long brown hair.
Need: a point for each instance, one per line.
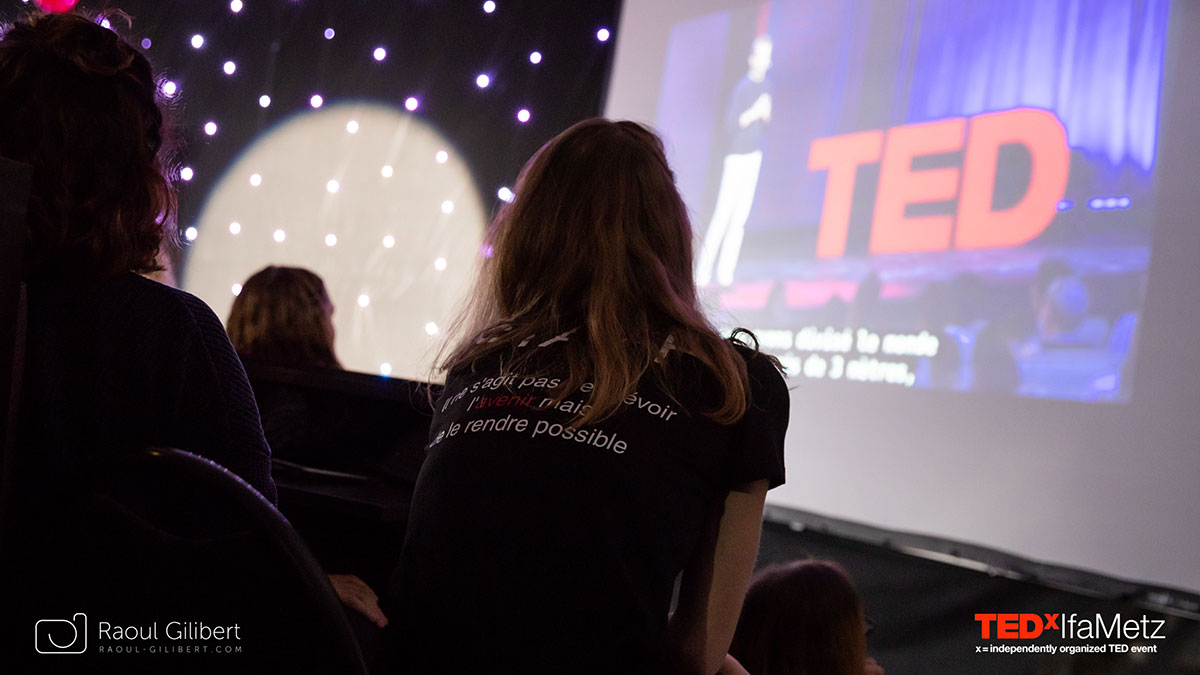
(595, 438)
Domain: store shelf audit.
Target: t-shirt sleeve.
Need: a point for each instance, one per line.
(217, 412)
(757, 450)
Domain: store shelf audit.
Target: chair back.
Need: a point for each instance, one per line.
(163, 561)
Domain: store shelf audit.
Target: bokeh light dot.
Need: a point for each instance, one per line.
(255, 179)
(442, 156)
(146, 42)
(230, 67)
(431, 328)
(191, 233)
(505, 194)
(522, 115)
(364, 300)
(483, 81)
(316, 101)
(352, 127)
(386, 171)
(237, 289)
(447, 207)
(169, 88)
(264, 101)
(331, 239)
(411, 103)
(380, 53)
(535, 57)
(210, 128)
(439, 264)
(235, 227)
(186, 173)
(385, 369)
(603, 35)
(329, 33)
(279, 236)
(235, 6)
(333, 186)
(389, 241)
(197, 41)
(489, 6)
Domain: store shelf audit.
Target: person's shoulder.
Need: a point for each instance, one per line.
(174, 307)
(767, 384)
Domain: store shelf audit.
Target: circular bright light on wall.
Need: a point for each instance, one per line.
(264, 101)
(235, 6)
(333, 186)
(603, 35)
(390, 232)
(352, 127)
(522, 115)
(411, 103)
(447, 207)
(331, 240)
(386, 171)
(235, 228)
(316, 101)
(255, 179)
(197, 41)
(380, 53)
(483, 81)
(489, 6)
(210, 128)
(186, 173)
(329, 33)
(237, 289)
(442, 157)
(191, 233)
(364, 300)
(279, 236)
(169, 88)
(146, 42)
(431, 328)
(439, 264)
(535, 57)
(505, 194)
(385, 369)
(230, 67)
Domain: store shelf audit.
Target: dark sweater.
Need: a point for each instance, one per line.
(129, 362)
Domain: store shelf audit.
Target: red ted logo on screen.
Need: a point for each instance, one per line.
(1015, 626)
(975, 225)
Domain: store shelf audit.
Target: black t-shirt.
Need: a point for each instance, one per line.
(743, 140)
(533, 547)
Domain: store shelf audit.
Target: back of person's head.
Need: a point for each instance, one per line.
(1048, 271)
(283, 316)
(1065, 306)
(80, 105)
(597, 240)
(801, 618)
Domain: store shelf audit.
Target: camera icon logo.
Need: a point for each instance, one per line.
(59, 636)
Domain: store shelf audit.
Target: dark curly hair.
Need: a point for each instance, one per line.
(81, 106)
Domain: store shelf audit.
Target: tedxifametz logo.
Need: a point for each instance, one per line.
(63, 636)
(1024, 633)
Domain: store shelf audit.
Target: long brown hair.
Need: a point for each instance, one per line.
(280, 317)
(597, 241)
(82, 107)
(801, 618)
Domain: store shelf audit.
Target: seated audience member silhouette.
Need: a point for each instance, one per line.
(283, 317)
(802, 618)
(1063, 319)
(114, 360)
(597, 438)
